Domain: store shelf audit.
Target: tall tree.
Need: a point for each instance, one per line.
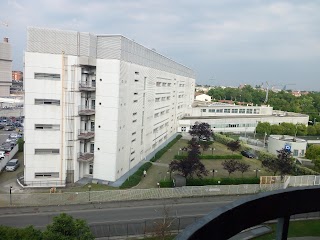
(190, 165)
(65, 227)
(230, 165)
(243, 167)
(285, 162)
(234, 145)
(202, 131)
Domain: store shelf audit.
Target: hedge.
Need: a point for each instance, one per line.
(166, 183)
(301, 170)
(135, 178)
(233, 156)
(223, 181)
(165, 149)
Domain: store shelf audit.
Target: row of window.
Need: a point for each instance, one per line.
(54, 127)
(155, 130)
(47, 102)
(46, 175)
(161, 113)
(47, 76)
(228, 110)
(163, 84)
(41, 151)
(158, 99)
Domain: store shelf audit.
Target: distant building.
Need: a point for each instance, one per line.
(296, 93)
(5, 67)
(17, 75)
(203, 98)
(295, 145)
(224, 117)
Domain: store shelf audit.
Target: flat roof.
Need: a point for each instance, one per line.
(242, 116)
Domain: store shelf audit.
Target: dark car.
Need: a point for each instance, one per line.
(247, 154)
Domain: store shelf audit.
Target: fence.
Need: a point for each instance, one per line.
(154, 227)
(45, 199)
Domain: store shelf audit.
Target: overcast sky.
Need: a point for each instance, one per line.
(229, 42)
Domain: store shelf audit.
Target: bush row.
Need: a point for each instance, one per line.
(222, 181)
(166, 148)
(233, 156)
(135, 178)
(301, 170)
(212, 181)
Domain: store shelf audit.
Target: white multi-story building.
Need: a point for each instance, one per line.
(5, 67)
(236, 118)
(97, 105)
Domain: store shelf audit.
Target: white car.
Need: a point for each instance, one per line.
(12, 165)
(2, 155)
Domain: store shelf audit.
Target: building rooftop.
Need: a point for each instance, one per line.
(287, 138)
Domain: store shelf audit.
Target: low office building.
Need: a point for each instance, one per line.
(296, 146)
(5, 67)
(97, 105)
(236, 118)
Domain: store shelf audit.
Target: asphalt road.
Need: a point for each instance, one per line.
(119, 214)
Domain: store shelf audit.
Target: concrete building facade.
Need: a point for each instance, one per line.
(97, 105)
(236, 118)
(5, 67)
(297, 146)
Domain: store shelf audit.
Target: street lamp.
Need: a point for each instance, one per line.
(314, 121)
(10, 195)
(213, 171)
(89, 187)
(256, 170)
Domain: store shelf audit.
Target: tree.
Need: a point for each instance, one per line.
(270, 164)
(311, 130)
(191, 164)
(202, 131)
(284, 163)
(27, 233)
(234, 145)
(277, 129)
(313, 152)
(243, 167)
(230, 165)
(263, 127)
(65, 227)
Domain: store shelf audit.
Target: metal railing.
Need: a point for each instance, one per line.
(86, 110)
(86, 134)
(89, 86)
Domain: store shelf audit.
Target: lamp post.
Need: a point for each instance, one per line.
(314, 121)
(89, 187)
(213, 171)
(256, 170)
(10, 191)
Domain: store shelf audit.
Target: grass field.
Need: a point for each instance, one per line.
(296, 229)
(159, 170)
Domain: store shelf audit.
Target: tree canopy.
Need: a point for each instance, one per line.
(202, 131)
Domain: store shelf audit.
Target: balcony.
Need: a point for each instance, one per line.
(85, 134)
(85, 157)
(227, 221)
(87, 110)
(87, 86)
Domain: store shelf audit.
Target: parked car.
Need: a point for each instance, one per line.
(247, 154)
(14, 135)
(1, 127)
(6, 147)
(2, 154)
(12, 165)
(9, 128)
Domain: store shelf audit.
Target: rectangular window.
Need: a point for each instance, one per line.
(212, 110)
(135, 101)
(202, 110)
(249, 111)
(135, 120)
(47, 76)
(133, 133)
(183, 129)
(135, 93)
(226, 110)
(234, 110)
(295, 152)
(41, 151)
(46, 175)
(47, 127)
(136, 80)
(137, 73)
(242, 111)
(135, 113)
(55, 102)
(219, 110)
(133, 140)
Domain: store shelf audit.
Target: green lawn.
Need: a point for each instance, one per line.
(309, 228)
(159, 172)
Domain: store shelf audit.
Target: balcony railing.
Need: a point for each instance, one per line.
(87, 86)
(87, 110)
(85, 134)
(229, 220)
(85, 157)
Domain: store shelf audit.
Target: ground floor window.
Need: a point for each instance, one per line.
(91, 168)
(183, 129)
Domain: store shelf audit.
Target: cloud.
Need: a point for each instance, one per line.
(197, 33)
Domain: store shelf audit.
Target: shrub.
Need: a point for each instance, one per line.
(301, 170)
(232, 156)
(223, 181)
(166, 183)
(135, 178)
(20, 143)
(165, 149)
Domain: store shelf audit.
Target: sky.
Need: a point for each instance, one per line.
(226, 43)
